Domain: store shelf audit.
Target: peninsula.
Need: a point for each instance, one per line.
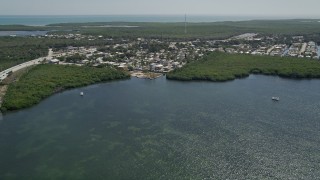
(223, 67)
(46, 79)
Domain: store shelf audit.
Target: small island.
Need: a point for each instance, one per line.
(224, 67)
(46, 79)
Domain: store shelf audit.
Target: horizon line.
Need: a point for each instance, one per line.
(177, 14)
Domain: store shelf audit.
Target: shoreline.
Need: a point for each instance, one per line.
(70, 77)
(45, 20)
(221, 67)
(14, 77)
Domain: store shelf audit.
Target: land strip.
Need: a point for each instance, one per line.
(223, 67)
(47, 79)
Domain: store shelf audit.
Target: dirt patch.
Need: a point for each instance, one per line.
(3, 90)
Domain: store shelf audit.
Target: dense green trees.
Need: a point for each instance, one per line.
(214, 30)
(223, 67)
(16, 50)
(75, 58)
(13, 51)
(44, 80)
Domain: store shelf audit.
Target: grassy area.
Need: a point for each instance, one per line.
(224, 67)
(15, 76)
(45, 80)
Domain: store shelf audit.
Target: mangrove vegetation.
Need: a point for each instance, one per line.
(45, 80)
(223, 67)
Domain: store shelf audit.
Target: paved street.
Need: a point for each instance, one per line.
(4, 74)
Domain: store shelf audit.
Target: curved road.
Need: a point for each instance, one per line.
(4, 74)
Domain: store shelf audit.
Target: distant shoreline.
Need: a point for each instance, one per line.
(42, 20)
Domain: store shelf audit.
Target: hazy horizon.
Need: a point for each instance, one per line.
(271, 8)
(182, 14)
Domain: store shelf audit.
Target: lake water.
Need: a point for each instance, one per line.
(160, 129)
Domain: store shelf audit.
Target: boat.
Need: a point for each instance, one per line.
(275, 98)
(81, 93)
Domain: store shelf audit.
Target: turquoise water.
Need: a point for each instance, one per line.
(44, 20)
(23, 33)
(143, 129)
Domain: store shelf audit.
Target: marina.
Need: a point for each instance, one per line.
(146, 75)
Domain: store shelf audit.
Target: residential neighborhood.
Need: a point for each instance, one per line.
(161, 56)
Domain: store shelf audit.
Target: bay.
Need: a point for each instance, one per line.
(144, 129)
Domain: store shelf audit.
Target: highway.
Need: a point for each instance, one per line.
(4, 74)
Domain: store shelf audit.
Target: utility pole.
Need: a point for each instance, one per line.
(185, 23)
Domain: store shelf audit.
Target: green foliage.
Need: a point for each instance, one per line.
(75, 58)
(45, 80)
(14, 51)
(213, 30)
(224, 67)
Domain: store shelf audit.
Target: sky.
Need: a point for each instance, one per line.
(286, 8)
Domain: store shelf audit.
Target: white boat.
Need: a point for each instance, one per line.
(276, 98)
(81, 93)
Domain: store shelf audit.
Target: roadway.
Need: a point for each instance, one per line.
(4, 74)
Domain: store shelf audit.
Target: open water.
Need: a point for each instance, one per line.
(160, 129)
(45, 20)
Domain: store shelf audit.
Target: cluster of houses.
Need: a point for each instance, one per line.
(254, 44)
(164, 56)
(128, 56)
